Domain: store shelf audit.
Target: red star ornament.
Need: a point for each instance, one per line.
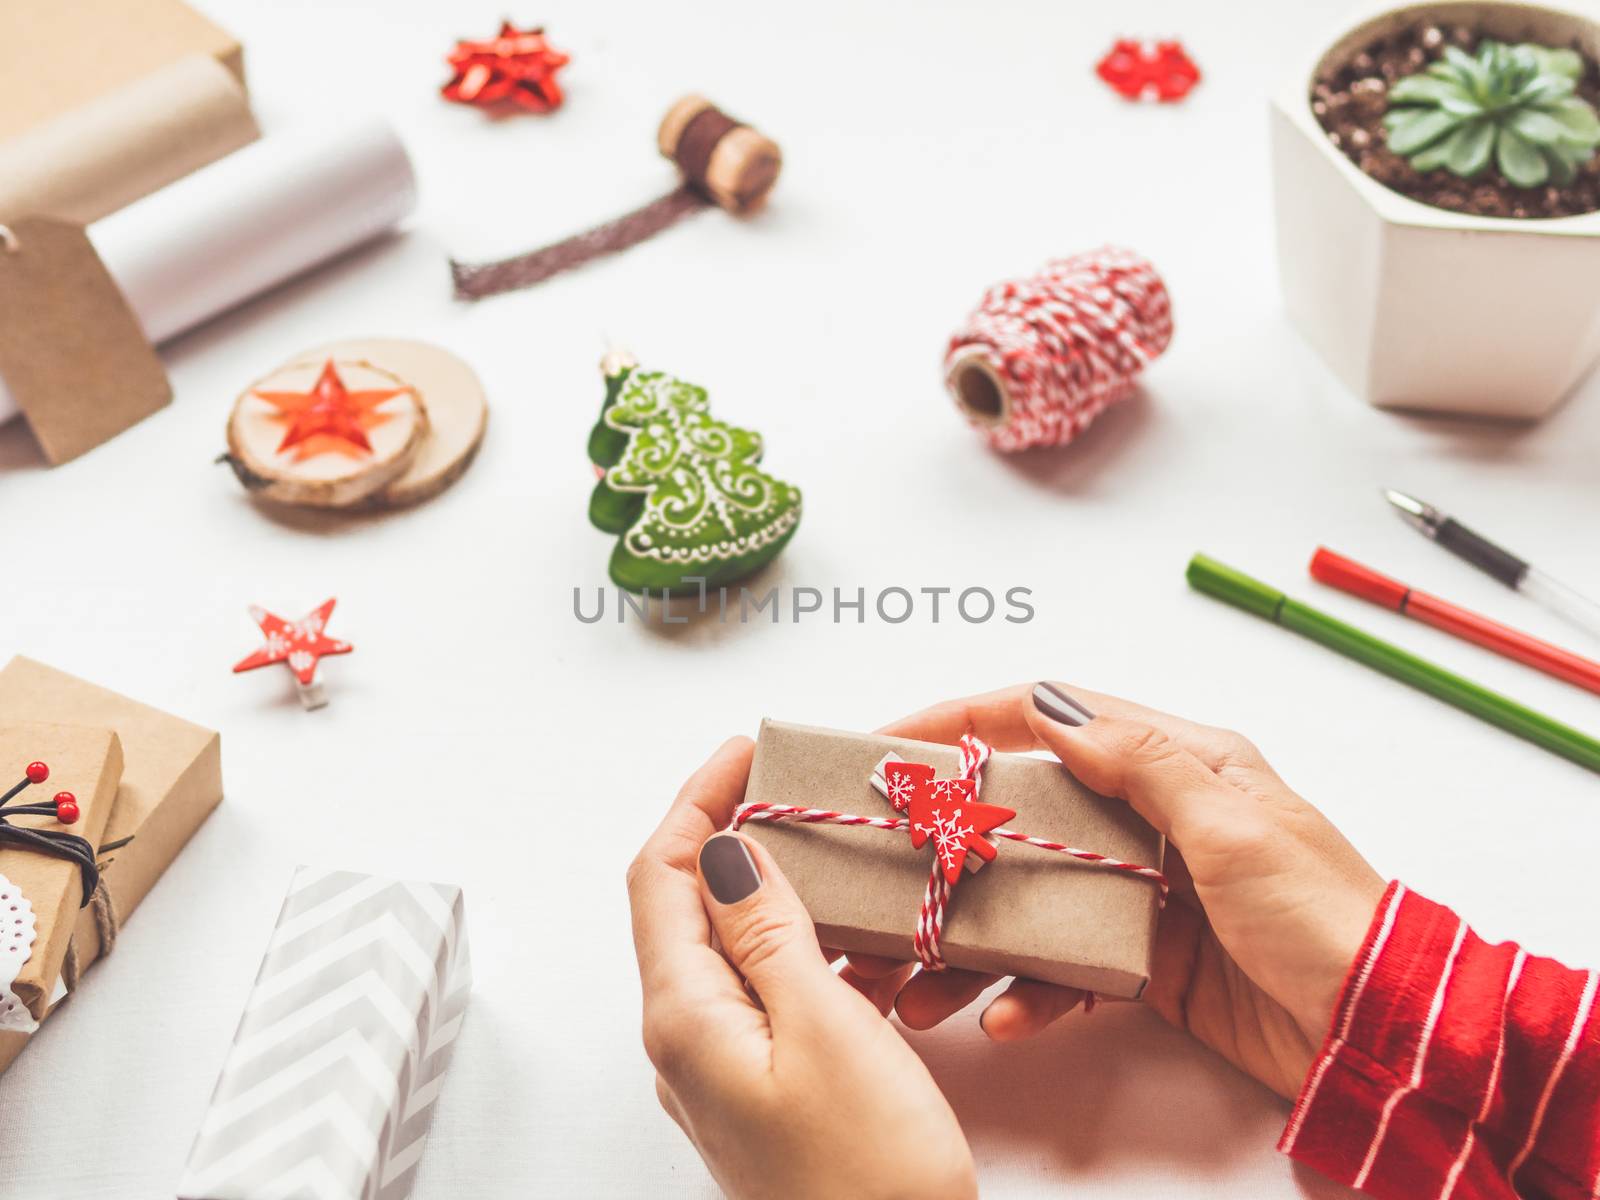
(517, 67)
(1143, 71)
(330, 418)
(945, 811)
(300, 645)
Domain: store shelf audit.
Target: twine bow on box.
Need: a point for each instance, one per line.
(948, 813)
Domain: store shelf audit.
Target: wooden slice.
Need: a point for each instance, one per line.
(458, 417)
(454, 415)
(325, 430)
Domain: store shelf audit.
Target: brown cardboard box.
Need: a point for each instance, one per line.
(112, 150)
(171, 780)
(1031, 912)
(56, 55)
(87, 762)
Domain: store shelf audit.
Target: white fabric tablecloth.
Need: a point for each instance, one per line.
(481, 735)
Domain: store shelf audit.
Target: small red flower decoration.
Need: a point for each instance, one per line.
(517, 67)
(1144, 71)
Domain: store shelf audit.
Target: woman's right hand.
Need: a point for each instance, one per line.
(1270, 903)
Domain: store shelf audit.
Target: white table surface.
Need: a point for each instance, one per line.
(481, 735)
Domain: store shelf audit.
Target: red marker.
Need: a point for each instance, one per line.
(1340, 572)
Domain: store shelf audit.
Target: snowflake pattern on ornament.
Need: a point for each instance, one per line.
(949, 837)
(900, 788)
(946, 811)
(307, 627)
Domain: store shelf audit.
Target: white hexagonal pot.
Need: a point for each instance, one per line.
(1417, 307)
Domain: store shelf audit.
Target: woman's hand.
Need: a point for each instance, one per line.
(1269, 906)
(786, 1077)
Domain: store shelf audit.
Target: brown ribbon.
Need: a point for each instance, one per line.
(697, 143)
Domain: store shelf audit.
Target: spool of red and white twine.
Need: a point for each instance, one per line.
(1040, 358)
(930, 918)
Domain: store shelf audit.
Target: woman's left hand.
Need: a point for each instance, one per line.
(785, 1076)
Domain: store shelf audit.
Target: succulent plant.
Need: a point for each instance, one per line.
(1512, 105)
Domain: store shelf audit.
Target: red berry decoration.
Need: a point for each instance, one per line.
(38, 772)
(66, 808)
(1149, 71)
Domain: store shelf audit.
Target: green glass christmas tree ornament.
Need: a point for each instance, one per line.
(682, 490)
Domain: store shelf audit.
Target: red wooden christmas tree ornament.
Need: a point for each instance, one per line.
(947, 811)
(1149, 71)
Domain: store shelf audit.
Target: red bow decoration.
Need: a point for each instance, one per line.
(516, 67)
(1138, 70)
(946, 810)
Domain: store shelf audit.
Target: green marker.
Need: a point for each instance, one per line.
(1209, 576)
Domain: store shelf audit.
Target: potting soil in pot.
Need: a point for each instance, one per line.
(1350, 104)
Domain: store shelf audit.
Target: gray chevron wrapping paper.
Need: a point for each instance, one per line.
(329, 1088)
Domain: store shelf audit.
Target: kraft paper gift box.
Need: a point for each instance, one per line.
(45, 887)
(1030, 912)
(329, 1087)
(56, 55)
(171, 779)
(119, 147)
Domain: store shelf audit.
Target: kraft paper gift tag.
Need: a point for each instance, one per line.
(1030, 912)
(71, 351)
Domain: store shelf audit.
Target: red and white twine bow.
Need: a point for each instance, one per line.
(948, 813)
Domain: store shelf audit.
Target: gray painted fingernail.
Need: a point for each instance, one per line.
(729, 870)
(1058, 706)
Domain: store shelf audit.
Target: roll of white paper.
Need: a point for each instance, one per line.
(251, 221)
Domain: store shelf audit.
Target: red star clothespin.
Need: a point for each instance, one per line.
(299, 645)
(1144, 71)
(516, 67)
(946, 810)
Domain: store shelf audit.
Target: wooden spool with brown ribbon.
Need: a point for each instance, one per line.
(723, 162)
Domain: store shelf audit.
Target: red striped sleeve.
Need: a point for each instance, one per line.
(1455, 1068)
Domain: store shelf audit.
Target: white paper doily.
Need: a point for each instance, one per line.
(16, 944)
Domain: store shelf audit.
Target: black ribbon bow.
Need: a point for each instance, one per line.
(47, 841)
